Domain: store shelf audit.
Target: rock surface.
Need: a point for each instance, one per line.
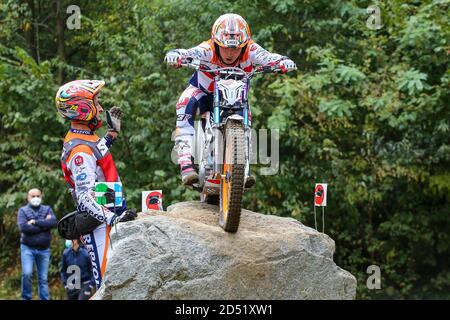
(184, 254)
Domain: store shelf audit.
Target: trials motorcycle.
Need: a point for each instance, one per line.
(222, 146)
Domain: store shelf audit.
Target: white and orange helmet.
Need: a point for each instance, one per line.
(230, 31)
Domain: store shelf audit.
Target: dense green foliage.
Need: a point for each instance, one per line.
(367, 112)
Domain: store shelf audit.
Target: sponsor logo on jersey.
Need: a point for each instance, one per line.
(84, 183)
(82, 177)
(78, 160)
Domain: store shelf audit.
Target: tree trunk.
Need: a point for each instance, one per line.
(61, 50)
(29, 32)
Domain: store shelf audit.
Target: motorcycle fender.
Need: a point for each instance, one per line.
(236, 117)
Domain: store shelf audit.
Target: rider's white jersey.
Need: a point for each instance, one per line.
(254, 55)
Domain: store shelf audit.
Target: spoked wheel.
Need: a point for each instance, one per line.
(232, 179)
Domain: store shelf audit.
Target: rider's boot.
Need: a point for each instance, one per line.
(183, 146)
(188, 175)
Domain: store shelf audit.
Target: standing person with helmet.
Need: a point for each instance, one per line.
(86, 160)
(230, 46)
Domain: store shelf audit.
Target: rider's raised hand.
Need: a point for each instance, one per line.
(287, 65)
(173, 58)
(114, 119)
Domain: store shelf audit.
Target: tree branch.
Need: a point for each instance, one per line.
(75, 50)
(46, 27)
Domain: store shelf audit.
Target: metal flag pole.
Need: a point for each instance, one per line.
(323, 219)
(315, 216)
(320, 200)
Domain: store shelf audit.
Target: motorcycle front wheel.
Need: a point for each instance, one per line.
(232, 178)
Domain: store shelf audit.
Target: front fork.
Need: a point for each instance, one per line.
(218, 140)
(248, 149)
(218, 153)
(247, 130)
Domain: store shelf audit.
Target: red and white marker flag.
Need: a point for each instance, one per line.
(152, 200)
(320, 195)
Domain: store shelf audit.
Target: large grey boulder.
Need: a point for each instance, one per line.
(184, 254)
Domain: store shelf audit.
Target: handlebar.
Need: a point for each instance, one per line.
(199, 66)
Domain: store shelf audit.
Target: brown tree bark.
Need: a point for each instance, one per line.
(61, 49)
(30, 32)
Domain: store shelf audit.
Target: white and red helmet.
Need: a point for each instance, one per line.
(231, 31)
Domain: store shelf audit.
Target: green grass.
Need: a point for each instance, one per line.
(10, 285)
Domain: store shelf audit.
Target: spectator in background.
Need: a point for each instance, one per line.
(35, 221)
(76, 272)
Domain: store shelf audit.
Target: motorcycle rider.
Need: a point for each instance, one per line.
(86, 160)
(230, 46)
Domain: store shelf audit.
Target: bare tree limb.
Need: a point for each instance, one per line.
(60, 39)
(52, 31)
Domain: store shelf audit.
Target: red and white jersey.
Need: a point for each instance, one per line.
(86, 160)
(254, 55)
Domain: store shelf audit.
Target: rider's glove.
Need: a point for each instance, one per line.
(287, 65)
(173, 58)
(127, 215)
(113, 118)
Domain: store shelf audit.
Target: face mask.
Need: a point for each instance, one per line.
(68, 243)
(36, 201)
